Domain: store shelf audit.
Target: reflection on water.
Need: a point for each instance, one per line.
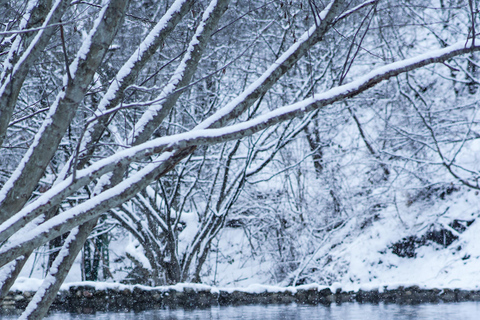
(347, 311)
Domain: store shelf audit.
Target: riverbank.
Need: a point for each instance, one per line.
(88, 297)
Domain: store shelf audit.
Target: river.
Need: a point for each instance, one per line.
(346, 311)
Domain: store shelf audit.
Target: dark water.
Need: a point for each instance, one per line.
(347, 311)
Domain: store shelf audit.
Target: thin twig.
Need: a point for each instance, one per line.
(67, 67)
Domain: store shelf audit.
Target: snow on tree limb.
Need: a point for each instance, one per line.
(157, 202)
(289, 58)
(129, 72)
(16, 46)
(43, 298)
(12, 82)
(19, 187)
(66, 188)
(177, 144)
(156, 113)
(10, 273)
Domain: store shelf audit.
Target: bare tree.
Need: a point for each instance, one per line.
(133, 124)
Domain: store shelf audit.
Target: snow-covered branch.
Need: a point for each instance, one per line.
(19, 187)
(128, 188)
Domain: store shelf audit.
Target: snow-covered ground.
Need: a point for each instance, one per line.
(360, 257)
(368, 258)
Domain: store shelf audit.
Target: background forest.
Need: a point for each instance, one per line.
(237, 142)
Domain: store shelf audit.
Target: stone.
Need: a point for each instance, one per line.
(87, 299)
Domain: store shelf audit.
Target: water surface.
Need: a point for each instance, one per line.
(346, 311)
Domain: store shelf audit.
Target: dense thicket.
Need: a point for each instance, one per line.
(169, 120)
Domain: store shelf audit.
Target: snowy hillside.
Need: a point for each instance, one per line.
(432, 243)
